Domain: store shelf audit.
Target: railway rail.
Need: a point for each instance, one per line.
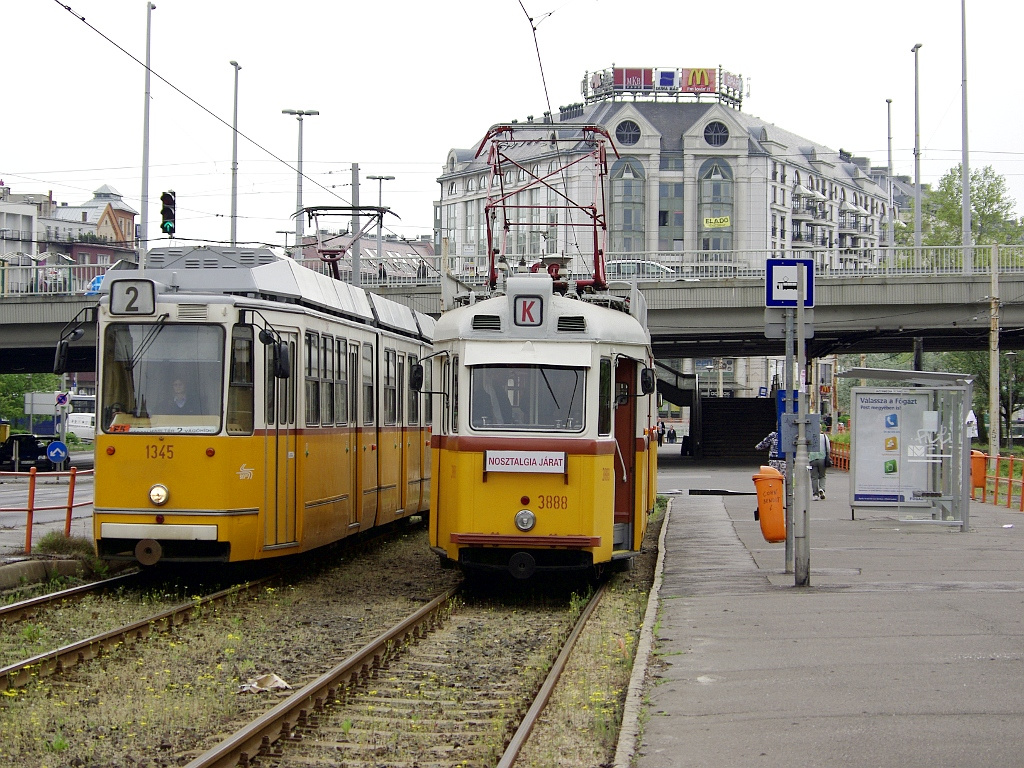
(58, 660)
(429, 691)
(30, 607)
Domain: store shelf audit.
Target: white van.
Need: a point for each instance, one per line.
(83, 425)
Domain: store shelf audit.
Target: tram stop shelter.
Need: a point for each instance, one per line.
(909, 444)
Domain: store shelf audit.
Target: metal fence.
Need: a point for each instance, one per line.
(65, 279)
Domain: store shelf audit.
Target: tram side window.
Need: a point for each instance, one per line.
(414, 399)
(327, 380)
(604, 425)
(353, 390)
(390, 387)
(241, 403)
(455, 393)
(368, 403)
(428, 387)
(312, 379)
(341, 383)
(270, 384)
(400, 395)
(445, 403)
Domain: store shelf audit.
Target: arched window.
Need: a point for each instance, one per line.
(716, 204)
(628, 211)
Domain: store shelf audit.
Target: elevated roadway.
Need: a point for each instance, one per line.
(709, 317)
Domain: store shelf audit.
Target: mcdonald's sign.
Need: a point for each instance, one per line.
(698, 80)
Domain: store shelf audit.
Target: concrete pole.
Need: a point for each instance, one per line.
(144, 214)
(993, 362)
(892, 232)
(917, 159)
(357, 265)
(234, 164)
(965, 166)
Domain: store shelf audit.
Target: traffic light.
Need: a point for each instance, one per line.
(167, 213)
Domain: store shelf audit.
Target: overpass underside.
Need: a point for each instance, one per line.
(707, 318)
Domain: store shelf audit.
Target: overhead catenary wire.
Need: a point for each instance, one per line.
(189, 98)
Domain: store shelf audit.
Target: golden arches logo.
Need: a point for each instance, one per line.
(699, 77)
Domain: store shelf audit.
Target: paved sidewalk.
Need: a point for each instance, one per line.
(906, 650)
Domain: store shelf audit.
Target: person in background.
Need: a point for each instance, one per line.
(771, 444)
(819, 459)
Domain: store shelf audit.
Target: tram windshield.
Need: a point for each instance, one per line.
(526, 397)
(162, 378)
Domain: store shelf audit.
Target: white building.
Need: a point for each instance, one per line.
(694, 184)
(692, 178)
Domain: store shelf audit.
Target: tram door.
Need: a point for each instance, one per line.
(280, 451)
(625, 451)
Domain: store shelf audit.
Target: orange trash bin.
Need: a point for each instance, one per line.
(977, 469)
(770, 486)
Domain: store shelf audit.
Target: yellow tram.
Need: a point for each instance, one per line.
(251, 408)
(542, 451)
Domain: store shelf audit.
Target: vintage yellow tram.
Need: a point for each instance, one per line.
(250, 408)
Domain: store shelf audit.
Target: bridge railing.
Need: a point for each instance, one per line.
(64, 279)
(839, 262)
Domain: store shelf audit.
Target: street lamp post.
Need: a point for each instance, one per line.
(144, 216)
(234, 163)
(299, 114)
(380, 204)
(917, 158)
(891, 238)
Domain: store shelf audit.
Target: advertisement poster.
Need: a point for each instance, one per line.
(896, 441)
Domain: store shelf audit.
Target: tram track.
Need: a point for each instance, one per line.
(31, 607)
(58, 660)
(459, 682)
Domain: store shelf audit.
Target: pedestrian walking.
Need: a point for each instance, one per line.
(771, 444)
(820, 460)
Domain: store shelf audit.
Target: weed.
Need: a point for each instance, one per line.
(31, 633)
(56, 543)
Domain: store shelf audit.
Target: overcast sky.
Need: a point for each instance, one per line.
(400, 82)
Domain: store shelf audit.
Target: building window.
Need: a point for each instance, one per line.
(670, 215)
(716, 204)
(628, 210)
(627, 133)
(716, 133)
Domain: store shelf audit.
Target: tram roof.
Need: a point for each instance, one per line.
(560, 318)
(260, 273)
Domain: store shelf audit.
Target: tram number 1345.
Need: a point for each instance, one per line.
(159, 451)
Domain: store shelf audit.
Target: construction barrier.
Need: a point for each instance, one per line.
(1001, 476)
(30, 507)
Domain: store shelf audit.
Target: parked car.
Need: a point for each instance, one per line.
(640, 270)
(31, 453)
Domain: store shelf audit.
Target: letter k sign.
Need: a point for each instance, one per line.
(529, 310)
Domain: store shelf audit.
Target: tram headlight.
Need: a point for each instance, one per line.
(525, 520)
(158, 494)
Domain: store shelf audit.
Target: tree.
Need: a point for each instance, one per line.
(14, 386)
(992, 209)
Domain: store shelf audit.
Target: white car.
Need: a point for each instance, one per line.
(640, 270)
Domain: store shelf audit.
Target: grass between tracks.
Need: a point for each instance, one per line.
(580, 725)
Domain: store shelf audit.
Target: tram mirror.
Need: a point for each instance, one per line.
(282, 361)
(647, 381)
(60, 360)
(416, 377)
(266, 337)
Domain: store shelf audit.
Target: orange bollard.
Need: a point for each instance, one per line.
(770, 485)
(71, 503)
(30, 509)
